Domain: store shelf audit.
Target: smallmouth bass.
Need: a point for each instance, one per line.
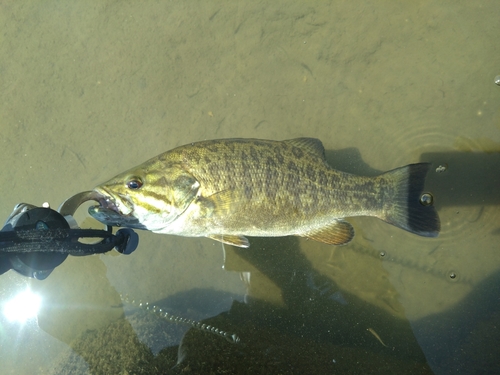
(231, 188)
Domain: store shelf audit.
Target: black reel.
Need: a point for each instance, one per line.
(35, 240)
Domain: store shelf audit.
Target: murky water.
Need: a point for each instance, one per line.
(91, 88)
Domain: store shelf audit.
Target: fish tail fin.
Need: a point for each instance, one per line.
(405, 210)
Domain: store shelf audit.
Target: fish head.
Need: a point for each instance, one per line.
(150, 197)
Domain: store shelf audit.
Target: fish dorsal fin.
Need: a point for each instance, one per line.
(337, 233)
(311, 145)
(238, 241)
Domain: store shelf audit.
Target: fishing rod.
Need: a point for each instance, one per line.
(35, 240)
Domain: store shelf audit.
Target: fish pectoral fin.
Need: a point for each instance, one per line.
(238, 241)
(222, 202)
(337, 233)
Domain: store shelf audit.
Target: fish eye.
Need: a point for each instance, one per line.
(134, 183)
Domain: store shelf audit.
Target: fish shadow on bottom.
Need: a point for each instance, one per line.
(317, 329)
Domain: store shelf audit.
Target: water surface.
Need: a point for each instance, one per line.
(91, 88)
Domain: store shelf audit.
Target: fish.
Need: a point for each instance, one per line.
(372, 331)
(228, 189)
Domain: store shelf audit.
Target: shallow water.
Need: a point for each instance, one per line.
(92, 88)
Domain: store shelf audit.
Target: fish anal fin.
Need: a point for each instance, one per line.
(338, 232)
(311, 145)
(238, 241)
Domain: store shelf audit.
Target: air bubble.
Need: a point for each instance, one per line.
(441, 168)
(426, 199)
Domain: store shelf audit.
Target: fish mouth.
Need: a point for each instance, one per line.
(121, 204)
(114, 211)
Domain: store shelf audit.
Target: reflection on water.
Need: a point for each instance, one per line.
(155, 309)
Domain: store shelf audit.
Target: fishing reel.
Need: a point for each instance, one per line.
(35, 240)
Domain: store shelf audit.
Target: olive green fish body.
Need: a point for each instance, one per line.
(265, 188)
(226, 189)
